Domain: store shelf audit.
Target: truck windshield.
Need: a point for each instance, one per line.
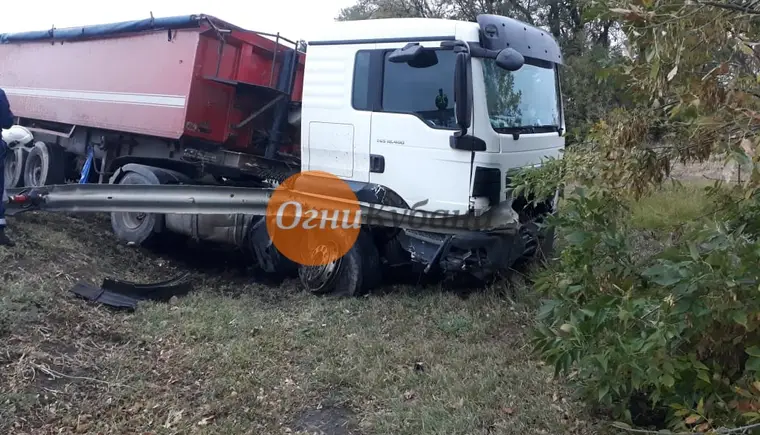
(522, 101)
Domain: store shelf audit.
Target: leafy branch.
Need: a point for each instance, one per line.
(749, 9)
(719, 431)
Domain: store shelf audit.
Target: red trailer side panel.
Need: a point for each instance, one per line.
(137, 83)
(228, 88)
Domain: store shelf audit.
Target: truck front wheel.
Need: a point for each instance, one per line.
(545, 251)
(354, 274)
(136, 227)
(539, 245)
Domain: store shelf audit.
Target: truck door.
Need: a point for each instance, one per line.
(335, 134)
(412, 121)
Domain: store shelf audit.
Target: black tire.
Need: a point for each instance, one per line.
(45, 165)
(539, 243)
(15, 159)
(136, 227)
(371, 266)
(357, 272)
(546, 245)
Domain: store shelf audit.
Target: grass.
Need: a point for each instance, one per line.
(671, 206)
(235, 356)
(239, 357)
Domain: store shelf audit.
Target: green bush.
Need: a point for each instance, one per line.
(679, 329)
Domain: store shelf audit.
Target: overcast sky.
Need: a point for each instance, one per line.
(294, 19)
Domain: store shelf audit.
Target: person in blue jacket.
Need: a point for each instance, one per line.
(6, 121)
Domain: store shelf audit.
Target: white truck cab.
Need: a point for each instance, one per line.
(424, 107)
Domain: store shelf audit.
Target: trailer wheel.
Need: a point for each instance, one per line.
(357, 272)
(135, 227)
(14, 167)
(44, 165)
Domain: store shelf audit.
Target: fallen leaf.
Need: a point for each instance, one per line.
(746, 145)
(205, 420)
(672, 73)
(745, 406)
(173, 418)
(692, 419)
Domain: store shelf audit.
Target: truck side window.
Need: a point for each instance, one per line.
(360, 91)
(427, 92)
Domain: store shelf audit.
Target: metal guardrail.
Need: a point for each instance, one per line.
(193, 199)
(141, 198)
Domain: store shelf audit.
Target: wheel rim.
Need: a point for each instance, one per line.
(133, 220)
(136, 219)
(317, 278)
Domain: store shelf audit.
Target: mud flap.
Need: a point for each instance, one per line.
(268, 259)
(125, 295)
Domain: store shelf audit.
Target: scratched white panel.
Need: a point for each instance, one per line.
(332, 148)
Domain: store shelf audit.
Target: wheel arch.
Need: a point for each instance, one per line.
(154, 174)
(373, 193)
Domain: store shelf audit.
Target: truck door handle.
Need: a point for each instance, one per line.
(376, 163)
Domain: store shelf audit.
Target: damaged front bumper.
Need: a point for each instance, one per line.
(486, 244)
(502, 237)
(477, 253)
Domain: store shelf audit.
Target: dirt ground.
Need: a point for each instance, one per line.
(235, 356)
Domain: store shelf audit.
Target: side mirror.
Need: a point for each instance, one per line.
(510, 59)
(463, 107)
(462, 91)
(406, 54)
(415, 55)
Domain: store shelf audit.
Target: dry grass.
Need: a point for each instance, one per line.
(240, 357)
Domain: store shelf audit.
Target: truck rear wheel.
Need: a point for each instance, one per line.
(354, 274)
(45, 165)
(136, 227)
(14, 167)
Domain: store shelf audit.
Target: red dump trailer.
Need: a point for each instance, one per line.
(203, 95)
